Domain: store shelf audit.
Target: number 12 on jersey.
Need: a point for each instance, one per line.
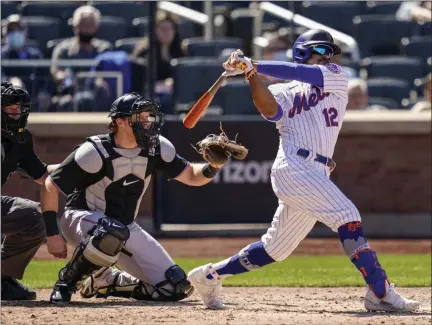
(331, 116)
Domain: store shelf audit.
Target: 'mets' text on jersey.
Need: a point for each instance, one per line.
(312, 116)
(98, 176)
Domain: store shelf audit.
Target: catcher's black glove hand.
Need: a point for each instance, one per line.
(216, 149)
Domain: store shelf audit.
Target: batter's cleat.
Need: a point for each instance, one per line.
(392, 301)
(209, 289)
(11, 289)
(62, 293)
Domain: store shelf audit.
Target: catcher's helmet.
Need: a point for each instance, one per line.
(13, 122)
(305, 43)
(146, 131)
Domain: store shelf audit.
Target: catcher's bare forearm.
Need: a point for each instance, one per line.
(49, 206)
(262, 97)
(193, 175)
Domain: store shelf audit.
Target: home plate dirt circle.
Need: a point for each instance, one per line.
(299, 306)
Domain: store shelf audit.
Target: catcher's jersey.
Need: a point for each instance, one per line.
(312, 117)
(99, 176)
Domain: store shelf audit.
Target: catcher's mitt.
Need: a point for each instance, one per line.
(216, 149)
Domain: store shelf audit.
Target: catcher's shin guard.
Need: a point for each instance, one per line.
(176, 287)
(99, 250)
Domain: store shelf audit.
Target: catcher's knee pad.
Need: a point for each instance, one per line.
(99, 250)
(176, 287)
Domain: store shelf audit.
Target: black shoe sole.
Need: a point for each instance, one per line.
(30, 297)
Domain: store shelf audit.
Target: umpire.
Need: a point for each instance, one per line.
(22, 224)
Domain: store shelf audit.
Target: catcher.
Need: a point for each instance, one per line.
(104, 180)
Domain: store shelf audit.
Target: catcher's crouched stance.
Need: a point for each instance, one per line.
(104, 180)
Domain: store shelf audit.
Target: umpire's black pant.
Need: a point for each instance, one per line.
(23, 230)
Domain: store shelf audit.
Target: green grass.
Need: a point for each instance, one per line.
(296, 271)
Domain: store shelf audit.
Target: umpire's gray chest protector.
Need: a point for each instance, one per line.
(123, 180)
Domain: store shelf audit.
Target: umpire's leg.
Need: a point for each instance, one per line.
(24, 230)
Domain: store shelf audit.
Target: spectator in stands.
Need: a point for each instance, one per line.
(84, 45)
(358, 98)
(168, 46)
(425, 103)
(14, 34)
(415, 11)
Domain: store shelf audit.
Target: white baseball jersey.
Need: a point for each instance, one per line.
(312, 117)
(311, 120)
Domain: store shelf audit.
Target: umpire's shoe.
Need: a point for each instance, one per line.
(62, 293)
(11, 289)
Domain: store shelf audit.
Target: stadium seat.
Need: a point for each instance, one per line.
(426, 28)
(386, 102)
(389, 88)
(192, 77)
(54, 9)
(201, 47)
(380, 34)
(127, 10)
(241, 26)
(417, 46)
(235, 98)
(62, 10)
(50, 45)
(140, 27)
(127, 44)
(42, 29)
(399, 67)
(112, 28)
(382, 7)
(335, 14)
(186, 29)
(8, 8)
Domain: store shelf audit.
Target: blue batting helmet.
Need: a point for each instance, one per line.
(306, 42)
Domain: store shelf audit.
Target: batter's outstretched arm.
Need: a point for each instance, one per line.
(264, 100)
(307, 73)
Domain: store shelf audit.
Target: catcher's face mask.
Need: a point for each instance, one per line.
(15, 108)
(146, 123)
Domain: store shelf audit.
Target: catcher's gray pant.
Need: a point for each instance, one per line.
(149, 260)
(23, 230)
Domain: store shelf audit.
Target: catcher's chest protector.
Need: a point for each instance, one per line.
(118, 188)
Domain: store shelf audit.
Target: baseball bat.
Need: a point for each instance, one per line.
(197, 111)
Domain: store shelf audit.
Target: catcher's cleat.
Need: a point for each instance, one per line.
(209, 289)
(62, 293)
(393, 301)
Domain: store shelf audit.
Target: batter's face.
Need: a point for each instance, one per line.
(13, 111)
(318, 59)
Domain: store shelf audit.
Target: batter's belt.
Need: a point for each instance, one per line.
(330, 163)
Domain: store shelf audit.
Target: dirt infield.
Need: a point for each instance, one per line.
(276, 306)
(224, 247)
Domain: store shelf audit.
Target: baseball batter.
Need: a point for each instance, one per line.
(308, 112)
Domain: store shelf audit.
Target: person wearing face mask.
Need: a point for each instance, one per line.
(168, 46)
(14, 35)
(84, 45)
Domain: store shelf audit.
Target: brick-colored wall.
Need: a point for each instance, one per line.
(385, 173)
(380, 173)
